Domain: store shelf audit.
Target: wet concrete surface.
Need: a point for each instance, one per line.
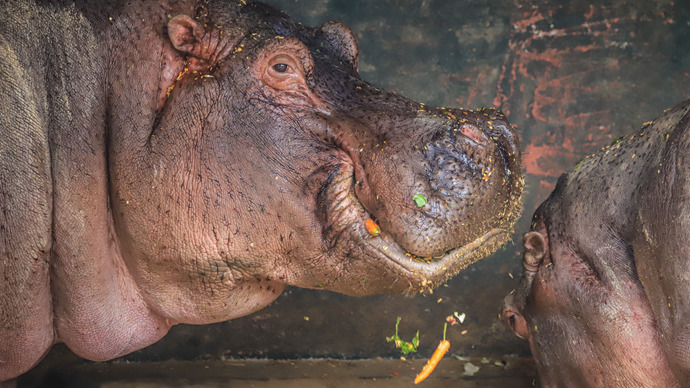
(571, 76)
(455, 371)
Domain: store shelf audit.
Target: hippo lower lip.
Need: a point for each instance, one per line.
(437, 270)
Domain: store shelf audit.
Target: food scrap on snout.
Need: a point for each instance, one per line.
(372, 227)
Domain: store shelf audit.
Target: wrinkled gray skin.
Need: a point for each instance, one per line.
(604, 298)
(166, 163)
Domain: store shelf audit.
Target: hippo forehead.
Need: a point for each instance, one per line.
(259, 22)
(332, 46)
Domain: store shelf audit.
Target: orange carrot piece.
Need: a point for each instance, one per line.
(372, 227)
(440, 351)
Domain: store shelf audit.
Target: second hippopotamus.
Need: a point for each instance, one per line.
(604, 298)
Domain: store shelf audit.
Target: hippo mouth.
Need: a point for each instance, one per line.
(434, 270)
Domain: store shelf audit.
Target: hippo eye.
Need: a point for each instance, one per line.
(280, 67)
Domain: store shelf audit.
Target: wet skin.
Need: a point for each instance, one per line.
(177, 162)
(604, 298)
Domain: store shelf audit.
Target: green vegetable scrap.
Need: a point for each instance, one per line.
(405, 347)
(420, 200)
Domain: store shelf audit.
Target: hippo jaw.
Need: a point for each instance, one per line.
(408, 272)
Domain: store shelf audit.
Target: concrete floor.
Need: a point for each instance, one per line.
(504, 372)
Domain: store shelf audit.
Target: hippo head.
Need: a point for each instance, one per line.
(272, 153)
(587, 325)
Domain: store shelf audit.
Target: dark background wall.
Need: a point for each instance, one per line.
(571, 75)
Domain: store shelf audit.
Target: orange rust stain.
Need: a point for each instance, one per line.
(546, 84)
(530, 18)
(544, 159)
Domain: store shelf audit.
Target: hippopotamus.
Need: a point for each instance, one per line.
(604, 296)
(182, 161)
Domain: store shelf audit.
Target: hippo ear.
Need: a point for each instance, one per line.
(341, 40)
(183, 32)
(535, 248)
(205, 47)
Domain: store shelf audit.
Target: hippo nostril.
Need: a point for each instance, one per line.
(515, 322)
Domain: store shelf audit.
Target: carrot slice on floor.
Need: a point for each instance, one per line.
(440, 351)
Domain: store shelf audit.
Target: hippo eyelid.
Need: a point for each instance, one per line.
(281, 67)
(283, 64)
(283, 70)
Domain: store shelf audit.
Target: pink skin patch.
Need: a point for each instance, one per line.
(473, 133)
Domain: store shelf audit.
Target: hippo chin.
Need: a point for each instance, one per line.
(181, 162)
(604, 298)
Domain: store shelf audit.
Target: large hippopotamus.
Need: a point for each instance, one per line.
(167, 162)
(604, 297)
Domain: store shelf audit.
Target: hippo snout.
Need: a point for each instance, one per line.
(425, 192)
